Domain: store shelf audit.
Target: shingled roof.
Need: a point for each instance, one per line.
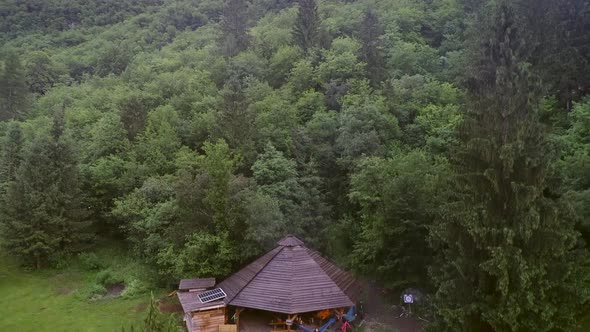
(289, 279)
(197, 283)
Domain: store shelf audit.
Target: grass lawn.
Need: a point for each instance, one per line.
(47, 301)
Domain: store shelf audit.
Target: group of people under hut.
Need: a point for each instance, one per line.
(327, 318)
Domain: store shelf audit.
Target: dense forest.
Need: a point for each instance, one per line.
(442, 145)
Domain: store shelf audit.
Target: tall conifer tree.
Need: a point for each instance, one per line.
(10, 155)
(13, 88)
(234, 24)
(44, 215)
(307, 27)
(370, 33)
(508, 258)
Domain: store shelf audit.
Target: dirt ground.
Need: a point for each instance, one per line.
(381, 316)
(170, 304)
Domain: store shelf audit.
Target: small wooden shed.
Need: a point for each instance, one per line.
(289, 280)
(196, 284)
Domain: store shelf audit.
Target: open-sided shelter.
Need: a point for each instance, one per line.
(289, 280)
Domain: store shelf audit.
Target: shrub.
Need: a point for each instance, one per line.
(92, 291)
(89, 261)
(135, 287)
(107, 277)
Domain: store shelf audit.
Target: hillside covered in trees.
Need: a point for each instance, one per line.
(442, 145)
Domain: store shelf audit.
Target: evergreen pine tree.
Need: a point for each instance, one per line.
(10, 159)
(307, 27)
(234, 24)
(370, 33)
(13, 88)
(508, 259)
(235, 121)
(44, 216)
(560, 45)
(10, 156)
(314, 213)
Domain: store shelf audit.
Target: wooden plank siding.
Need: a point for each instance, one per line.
(208, 321)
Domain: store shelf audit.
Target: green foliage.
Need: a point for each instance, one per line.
(135, 287)
(575, 164)
(42, 73)
(307, 27)
(265, 221)
(89, 261)
(57, 15)
(11, 157)
(197, 133)
(234, 26)
(502, 230)
(91, 292)
(203, 254)
(156, 321)
(341, 61)
(281, 64)
(366, 126)
(301, 75)
(44, 212)
(273, 32)
(107, 277)
(297, 196)
(372, 47)
(399, 197)
(13, 88)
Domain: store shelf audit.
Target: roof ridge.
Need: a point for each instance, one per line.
(290, 240)
(257, 273)
(308, 252)
(291, 275)
(293, 281)
(318, 254)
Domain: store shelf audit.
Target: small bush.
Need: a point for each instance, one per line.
(92, 291)
(107, 277)
(61, 262)
(135, 287)
(90, 261)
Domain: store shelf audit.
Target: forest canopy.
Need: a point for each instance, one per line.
(442, 145)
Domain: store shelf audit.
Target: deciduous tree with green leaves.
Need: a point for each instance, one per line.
(399, 197)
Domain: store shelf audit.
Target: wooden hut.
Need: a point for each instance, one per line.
(289, 281)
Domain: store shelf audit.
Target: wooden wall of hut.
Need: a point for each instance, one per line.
(208, 321)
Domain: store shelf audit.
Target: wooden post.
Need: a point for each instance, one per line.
(238, 312)
(292, 319)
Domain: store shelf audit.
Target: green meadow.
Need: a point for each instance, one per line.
(61, 299)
